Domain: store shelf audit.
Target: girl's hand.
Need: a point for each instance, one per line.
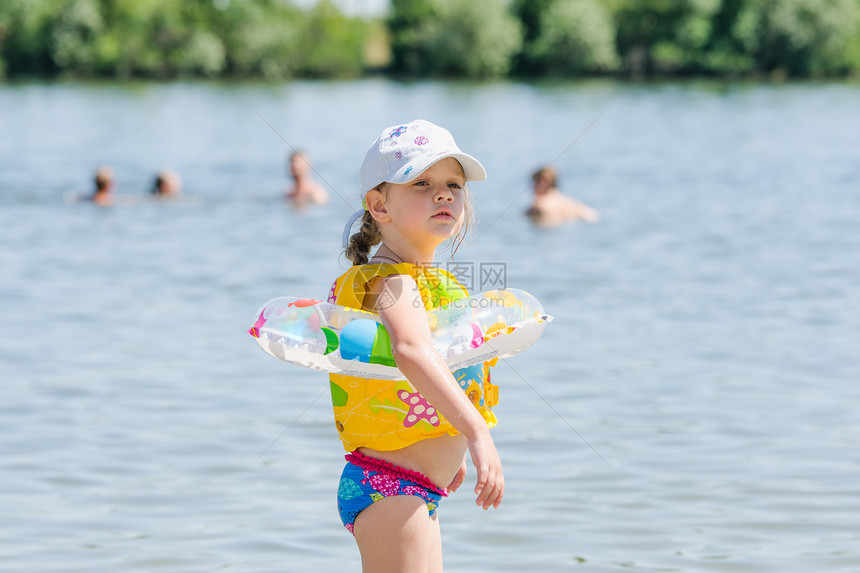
(459, 477)
(490, 487)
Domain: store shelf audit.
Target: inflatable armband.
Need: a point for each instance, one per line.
(338, 339)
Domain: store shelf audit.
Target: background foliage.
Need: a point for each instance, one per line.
(275, 39)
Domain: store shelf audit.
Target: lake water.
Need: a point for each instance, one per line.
(693, 408)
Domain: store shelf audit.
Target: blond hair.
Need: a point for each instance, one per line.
(358, 249)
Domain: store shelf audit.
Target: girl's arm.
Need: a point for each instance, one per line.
(404, 317)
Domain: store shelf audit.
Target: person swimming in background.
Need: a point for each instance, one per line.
(103, 195)
(305, 190)
(167, 184)
(104, 181)
(550, 208)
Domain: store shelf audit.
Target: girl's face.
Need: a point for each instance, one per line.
(428, 210)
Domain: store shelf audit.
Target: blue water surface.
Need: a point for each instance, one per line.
(693, 407)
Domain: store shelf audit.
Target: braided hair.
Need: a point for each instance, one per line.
(358, 249)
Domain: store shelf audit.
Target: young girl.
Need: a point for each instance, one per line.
(407, 440)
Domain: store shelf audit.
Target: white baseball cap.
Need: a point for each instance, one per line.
(403, 152)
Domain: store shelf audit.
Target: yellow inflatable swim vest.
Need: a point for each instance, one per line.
(374, 405)
(389, 415)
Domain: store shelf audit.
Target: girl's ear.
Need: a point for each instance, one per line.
(376, 206)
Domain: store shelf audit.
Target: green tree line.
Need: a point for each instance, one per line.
(275, 39)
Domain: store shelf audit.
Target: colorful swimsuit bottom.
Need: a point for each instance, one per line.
(366, 480)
